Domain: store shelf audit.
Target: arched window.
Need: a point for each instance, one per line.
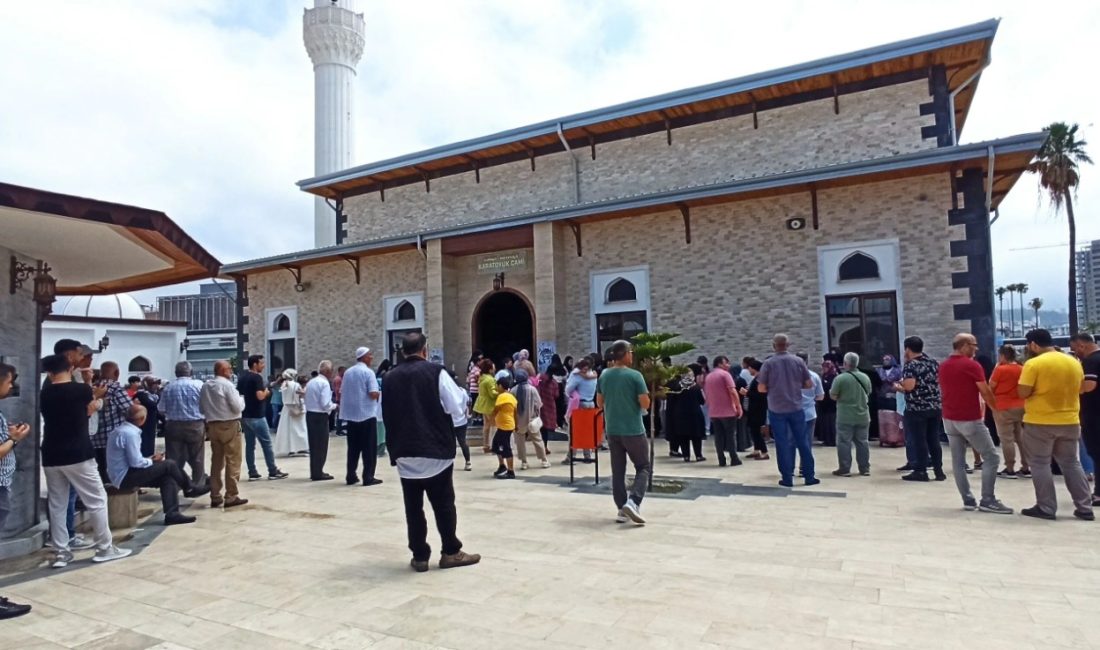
(282, 323)
(622, 290)
(139, 364)
(858, 266)
(404, 311)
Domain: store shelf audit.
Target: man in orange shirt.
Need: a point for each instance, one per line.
(1008, 412)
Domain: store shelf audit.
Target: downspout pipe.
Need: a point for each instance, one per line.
(989, 184)
(576, 165)
(951, 98)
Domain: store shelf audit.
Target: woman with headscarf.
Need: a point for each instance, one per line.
(549, 392)
(889, 419)
(826, 408)
(687, 417)
(486, 402)
(528, 409)
(757, 413)
(290, 437)
(558, 372)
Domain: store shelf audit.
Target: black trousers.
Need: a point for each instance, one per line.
(441, 494)
(758, 442)
(362, 443)
(460, 436)
(923, 429)
(317, 434)
(1090, 435)
(165, 475)
(101, 464)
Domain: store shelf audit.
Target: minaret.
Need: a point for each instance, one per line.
(334, 36)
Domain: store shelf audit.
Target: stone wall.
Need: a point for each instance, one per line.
(875, 123)
(745, 277)
(334, 314)
(19, 347)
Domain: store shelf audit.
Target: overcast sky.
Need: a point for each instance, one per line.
(204, 108)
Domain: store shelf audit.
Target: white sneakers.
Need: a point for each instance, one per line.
(62, 559)
(620, 517)
(523, 465)
(546, 464)
(469, 466)
(111, 553)
(632, 512)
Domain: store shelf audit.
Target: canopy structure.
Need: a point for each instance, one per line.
(95, 247)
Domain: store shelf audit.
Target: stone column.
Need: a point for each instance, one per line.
(433, 295)
(546, 322)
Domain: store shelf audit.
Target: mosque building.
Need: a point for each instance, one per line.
(831, 200)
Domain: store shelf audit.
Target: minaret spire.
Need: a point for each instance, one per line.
(334, 37)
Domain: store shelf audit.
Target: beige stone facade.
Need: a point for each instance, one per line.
(872, 124)
(743, 277)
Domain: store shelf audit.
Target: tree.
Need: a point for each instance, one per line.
(1001, 291)
(650, 351)
(1022, 289)
(1036, 304)
(1012, 309)
(1056, 164)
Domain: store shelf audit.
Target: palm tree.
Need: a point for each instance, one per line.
(1011, 309)
(1036, 304)
(1056, 164)
(1021, 289)
(1001, 291)
(650, 351)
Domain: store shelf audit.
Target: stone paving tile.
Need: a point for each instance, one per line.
(881, 564)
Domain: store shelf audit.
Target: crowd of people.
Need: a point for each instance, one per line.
(99, 436)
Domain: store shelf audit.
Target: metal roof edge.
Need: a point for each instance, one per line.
(985, 29)
(973, 151)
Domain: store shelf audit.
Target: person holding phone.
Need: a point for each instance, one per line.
(10, 436)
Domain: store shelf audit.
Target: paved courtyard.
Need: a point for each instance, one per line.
(854, 563)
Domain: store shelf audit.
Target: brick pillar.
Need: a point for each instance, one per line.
(433, 295)
(546, 323)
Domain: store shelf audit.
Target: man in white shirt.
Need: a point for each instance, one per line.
(421, 405)
(129, 469)
(221, 405)
(319, 404)
(359, 411)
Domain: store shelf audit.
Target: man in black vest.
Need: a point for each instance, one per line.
(419, 405)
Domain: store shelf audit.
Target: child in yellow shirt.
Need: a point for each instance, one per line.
(504, 416)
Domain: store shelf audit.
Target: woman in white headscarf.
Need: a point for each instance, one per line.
(290, 438)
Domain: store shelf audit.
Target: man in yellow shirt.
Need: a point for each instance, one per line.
(1051, 383)
(504, 416)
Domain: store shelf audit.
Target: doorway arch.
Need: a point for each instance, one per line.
(504, 323)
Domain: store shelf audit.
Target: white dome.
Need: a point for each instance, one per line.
(121, 305)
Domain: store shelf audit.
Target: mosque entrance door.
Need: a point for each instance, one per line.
(503, 324)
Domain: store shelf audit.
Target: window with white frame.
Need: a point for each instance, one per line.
(619, 305)
(862, 298)
(282, 338)
(403, 314)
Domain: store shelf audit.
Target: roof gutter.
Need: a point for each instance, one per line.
(951, 97)
(576, 166)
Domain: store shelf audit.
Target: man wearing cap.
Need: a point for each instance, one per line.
(184, 437)
(359, 409)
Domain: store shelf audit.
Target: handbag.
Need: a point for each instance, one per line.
(535, 425)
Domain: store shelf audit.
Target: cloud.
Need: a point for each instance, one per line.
(203, 109)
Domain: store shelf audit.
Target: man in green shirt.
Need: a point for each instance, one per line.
(851, 390)
(622, 394)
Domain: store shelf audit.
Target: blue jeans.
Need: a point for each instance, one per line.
(1087, 462)
(789, 431)
(256, 429)
(922, 440)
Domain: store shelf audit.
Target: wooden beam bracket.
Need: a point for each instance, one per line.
(576, 228)
(836, 98)
(296, 271)
(685, 211)
(668, 127)
(354, 261)
(427, 179)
